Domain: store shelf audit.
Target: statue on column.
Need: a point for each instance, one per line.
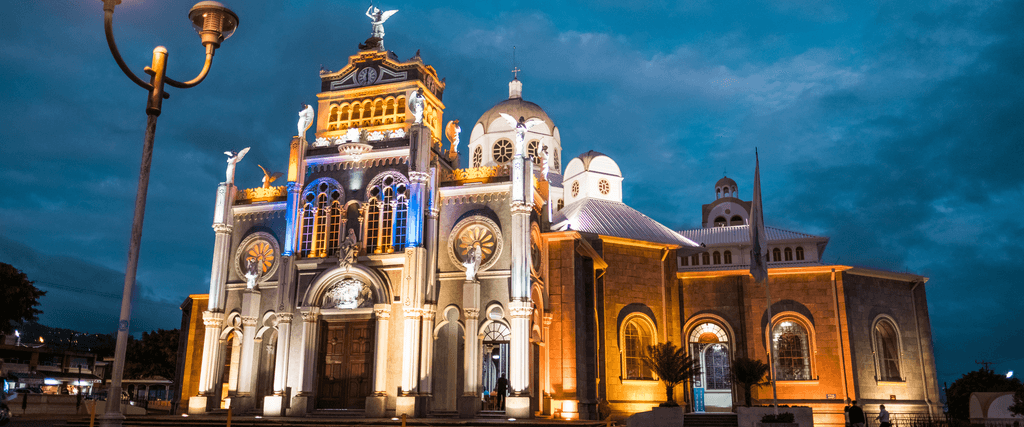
(377, 18)
(521, 126)
(547, 163)
(472, 262)
(252, 272)
(305, 120)
(416, 106)
(452, 131)
(233, 159)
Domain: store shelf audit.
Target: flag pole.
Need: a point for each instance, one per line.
(759, 266)
(771, 355)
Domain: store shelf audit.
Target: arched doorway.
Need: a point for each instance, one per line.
(495, 364)
(712, 387)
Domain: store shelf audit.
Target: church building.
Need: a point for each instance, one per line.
(382, 279)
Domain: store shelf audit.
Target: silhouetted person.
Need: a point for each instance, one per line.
(856, 415)
(883, 417)
(502, 389)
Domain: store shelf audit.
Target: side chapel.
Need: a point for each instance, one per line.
(382, 279)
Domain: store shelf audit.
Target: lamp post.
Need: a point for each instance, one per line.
(214, 23)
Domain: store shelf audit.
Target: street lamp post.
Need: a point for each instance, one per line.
(214, 23)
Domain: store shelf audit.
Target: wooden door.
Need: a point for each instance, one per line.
(346, 362)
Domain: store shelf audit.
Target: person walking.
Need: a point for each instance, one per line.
(883, 417)
(856, 415)
(502, 389)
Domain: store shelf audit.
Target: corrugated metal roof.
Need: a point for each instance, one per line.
(608, 218)
(738, 234)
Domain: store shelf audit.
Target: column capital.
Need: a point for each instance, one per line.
(312, 315)
(428, 311)
(213, 319)
(222, 228)
(520, 309)
(248, 320)
(472, 313)
(548, 319)
(411, 312)
(419, 177)
(284, 317)
(521, 208)
(294, 187)
(382, 311)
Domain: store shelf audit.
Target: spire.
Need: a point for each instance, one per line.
(515, 87)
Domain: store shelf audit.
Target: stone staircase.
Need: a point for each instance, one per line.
(322, 421)
(710, 420)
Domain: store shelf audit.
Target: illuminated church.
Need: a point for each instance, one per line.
(383, 279)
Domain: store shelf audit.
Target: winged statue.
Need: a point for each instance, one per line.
(377, 18)
(233, 159)
(416, 101)
(452, 131)
(305, 120)
(269, 177)
(521, 126)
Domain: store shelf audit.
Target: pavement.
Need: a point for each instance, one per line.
(39, 420)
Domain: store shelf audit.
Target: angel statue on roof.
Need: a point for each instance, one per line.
(377, 18)
(521, 127)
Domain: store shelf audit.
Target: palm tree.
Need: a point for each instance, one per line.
(749, 373)
(672, 365)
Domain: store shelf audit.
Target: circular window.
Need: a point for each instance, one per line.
(473, 231)
(502, 151)
(478, 157)
(261, 248)
(604, 186)
(575, 188)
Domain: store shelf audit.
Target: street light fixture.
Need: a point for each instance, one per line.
(214, 23)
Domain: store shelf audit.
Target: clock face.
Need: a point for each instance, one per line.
(366, 76)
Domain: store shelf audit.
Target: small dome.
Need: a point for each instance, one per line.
(725, 181)
(515, 107)
(592, 161)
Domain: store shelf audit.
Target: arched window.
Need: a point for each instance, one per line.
(400, 104)
(560, 205)
(685, 261)
(502, 151)
(887, 350)
(709, 345)
(791, 350)
(387, 215)
(696, 259)
(378, 108)
(478, 156)
(776, 255)
(727, 256)
(637, 335)
(717, 256)
(332, 120)
(789, 254)
(721, 222)
(556, 162)
(706, 257)
(531, 148)
(321, 219)
(736, 220)
(718, 193)
(390, 108)
(356, 110)
(799, 253)
(345, 110)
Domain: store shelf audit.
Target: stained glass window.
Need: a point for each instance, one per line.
(792, 352)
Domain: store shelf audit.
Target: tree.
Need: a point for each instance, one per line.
(156, 354)
(749, 373)
(672, 365)
(18, 298)
(983, 380)
(1018, 403)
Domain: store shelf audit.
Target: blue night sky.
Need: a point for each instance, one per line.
(892, 127)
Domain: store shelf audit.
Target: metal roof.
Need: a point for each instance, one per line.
(739, 234)
(608, 218)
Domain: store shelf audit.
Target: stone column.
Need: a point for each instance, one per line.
(518, 404)
(406, 403)
(273, 406)
(427, 349)
(546, 359)
(376, 403)
(211, 366)
(469, 403)
(246, 369)
(303, 402)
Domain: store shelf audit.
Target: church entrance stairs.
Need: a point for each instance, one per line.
(710, 420)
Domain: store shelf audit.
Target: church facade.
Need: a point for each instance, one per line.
(383, 279)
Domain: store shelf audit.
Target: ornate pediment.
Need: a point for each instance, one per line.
(348, 293)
